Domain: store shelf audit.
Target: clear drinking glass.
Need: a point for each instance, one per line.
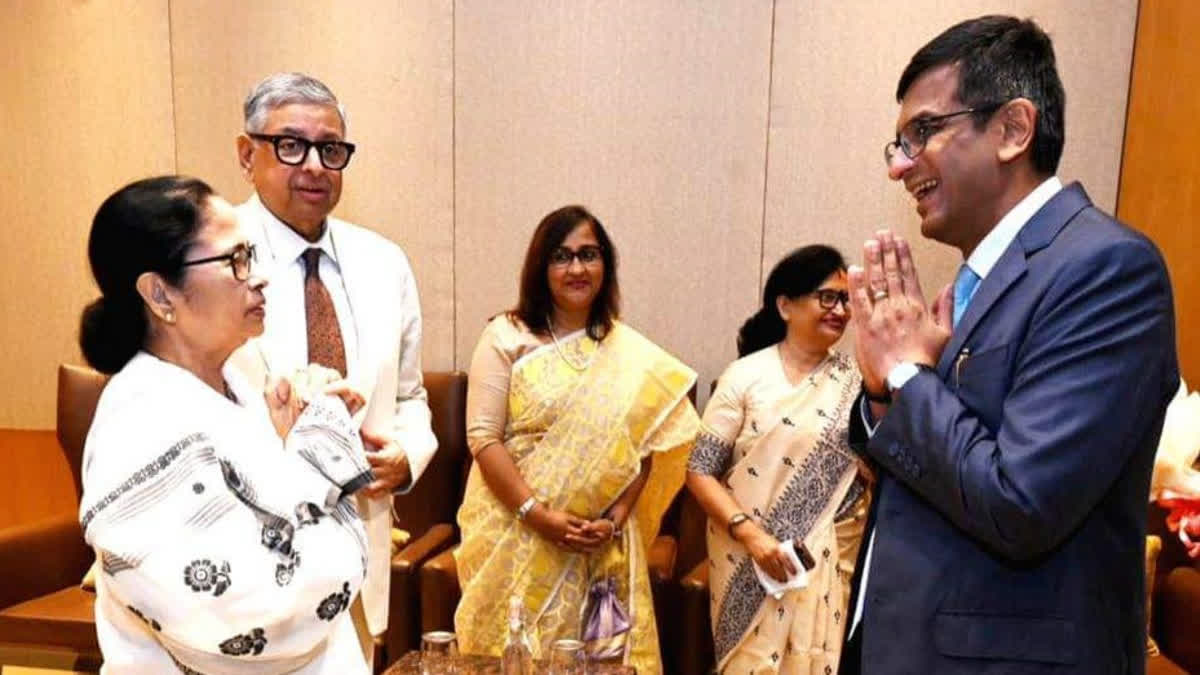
(567, 657)
(438, 651)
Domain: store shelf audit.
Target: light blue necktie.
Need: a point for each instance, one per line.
(965, 285)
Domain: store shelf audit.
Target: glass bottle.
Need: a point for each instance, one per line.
(518, 655)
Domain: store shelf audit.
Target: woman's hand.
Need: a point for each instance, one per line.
(311, 381)
(561, 528)
(350, 396)
(317, 380)
(597, 533)
(765, 550)
(283, 404)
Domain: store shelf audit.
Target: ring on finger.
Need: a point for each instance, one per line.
(880, 295)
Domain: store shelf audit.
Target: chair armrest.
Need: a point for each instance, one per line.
(404, 598)
(41, 557)
(661, 558)
(435, 540)
(696, 581)
(1179, 605)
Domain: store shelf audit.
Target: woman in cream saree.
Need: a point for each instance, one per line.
(596, 434)
(772, 464)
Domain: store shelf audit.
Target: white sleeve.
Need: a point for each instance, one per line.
(412, 424)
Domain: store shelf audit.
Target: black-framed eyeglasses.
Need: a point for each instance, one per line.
(828, 298)
(912, 138)
(292, 150)
(588, 255)
(241, 259)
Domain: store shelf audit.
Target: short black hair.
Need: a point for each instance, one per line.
(1001, 58)
(535, 303)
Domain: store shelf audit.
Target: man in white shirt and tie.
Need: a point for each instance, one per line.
(1014, 422)
(339, 295)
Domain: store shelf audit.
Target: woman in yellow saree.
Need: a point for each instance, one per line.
(581, 429)
(772, 465)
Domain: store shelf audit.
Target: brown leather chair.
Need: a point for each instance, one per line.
(427, 511)
(47, 620)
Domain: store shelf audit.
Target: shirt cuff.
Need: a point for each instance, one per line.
(869, 423)
(900, 374)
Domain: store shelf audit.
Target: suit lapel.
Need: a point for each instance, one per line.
(1035, 235)
(358, 283)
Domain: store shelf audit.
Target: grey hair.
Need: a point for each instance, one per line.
(282, 89)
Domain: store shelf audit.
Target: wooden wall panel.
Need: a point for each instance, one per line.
(87, 109)
(833, 107)
(653, 114)
(1160, 174)
(389, 63)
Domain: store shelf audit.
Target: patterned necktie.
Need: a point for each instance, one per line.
(965, 285)
(324, 334)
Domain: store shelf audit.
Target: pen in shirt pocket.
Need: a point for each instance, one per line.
(958, 364)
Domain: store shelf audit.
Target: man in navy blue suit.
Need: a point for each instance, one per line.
(1014, 421)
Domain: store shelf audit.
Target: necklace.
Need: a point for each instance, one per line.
(562, 354)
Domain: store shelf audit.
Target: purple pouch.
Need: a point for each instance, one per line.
(605, 622)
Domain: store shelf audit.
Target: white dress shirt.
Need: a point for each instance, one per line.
(981, 261)
(286, 272)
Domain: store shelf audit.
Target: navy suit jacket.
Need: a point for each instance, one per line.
(1011, 510)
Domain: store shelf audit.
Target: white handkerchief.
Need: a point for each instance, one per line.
(797, 580)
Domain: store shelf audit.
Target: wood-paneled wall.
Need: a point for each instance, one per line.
(1160, 172)
(710, 138)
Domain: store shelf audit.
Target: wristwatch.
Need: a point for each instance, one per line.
(526, 506)
(735, 520)
(902, 372)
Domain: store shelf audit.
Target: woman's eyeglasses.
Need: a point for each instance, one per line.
(588, 255)
(241, 258)
(828, 298)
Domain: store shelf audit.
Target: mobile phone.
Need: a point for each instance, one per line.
(806, 558)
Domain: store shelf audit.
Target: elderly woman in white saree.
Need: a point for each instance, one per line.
(772, 465)
(580, 428)
(220, 515)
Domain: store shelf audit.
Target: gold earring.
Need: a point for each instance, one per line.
(169, 316)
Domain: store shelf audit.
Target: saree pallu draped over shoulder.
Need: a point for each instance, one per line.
(797, 480)
(578, 439)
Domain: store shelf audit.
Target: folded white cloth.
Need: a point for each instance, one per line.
(798, 580)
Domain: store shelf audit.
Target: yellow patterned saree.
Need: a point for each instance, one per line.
(582, 416)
